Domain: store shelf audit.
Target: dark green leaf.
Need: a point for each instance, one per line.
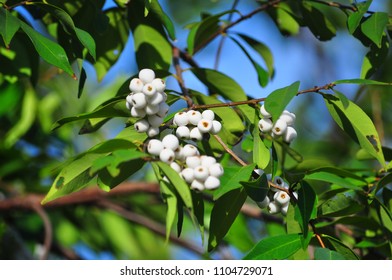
(337, 245)
(111, 108)
(342, 204)
(326, 254)
(179, 184)
(223, 214)
(9, 26)
(50, 51)
(275, 248)
(262, 50)
(375, 58)
(387, 179)
(354, 121)
(87, 41)
(156, 8)
(232, 178)
(261, 72)
(277, 101)
(374, 27)
(306, 209)
(317, 22)
(82, 81)
(355, 18)
(257, 189)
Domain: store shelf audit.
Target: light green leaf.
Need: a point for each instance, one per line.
(223, 214)
(374, 27)
(232, 178)
(275, 248)
(178, 183)
(355, 18)
(261, 153)
(277, 101)
(326, 254)
(306, 209)
(170, 198)
(354, 121)
(50, 51)
(284, 19)
(156, 8)
(9, 26)
(26, 120)
(361, 82)
(87, 41)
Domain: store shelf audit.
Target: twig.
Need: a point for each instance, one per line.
(150, 224)
(230, 151)
(242, 18)
(339, 5)
(37, 207)
(318, 236)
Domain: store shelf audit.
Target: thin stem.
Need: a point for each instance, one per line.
(318, 236)
(222, 41)
(180, 80)
(230, 151)
(242, 18)
(37, 207)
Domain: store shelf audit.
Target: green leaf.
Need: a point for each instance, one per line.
(361, 82)
(277, 101)
(220, 83)
(262, 50)
(73, 177)
(317, 22)
(333, 179)
(354, 121)
(326, 254)
(50, 51)
(284, 19)
(114, 107)
(170, 198)
(374, 27)
(257, 189)
(87, 41)
(375, 58)
(9, 26)
(26, 119)
(156, 8)
(232, 178)
(275, 248)
(201, 31)
(261, 153)
(261, 72)
(355, 18)
(223, 214)
(342, 204)
(178, 183)
(306, 209)
(338, 246)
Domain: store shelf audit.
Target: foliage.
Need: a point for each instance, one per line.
(108, 194)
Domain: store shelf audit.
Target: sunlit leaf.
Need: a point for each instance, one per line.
(9, 26)
(374, 27)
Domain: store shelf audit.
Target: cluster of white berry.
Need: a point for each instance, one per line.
(283, 126)
(276, 201)
(193, 124)
(147, 101)
(199, 171)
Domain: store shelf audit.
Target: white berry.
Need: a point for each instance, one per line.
(290, 134)
(284, 209)
(204, 125)
(130, 98)
(263, 204)
(153, 131)
(195, 134)
(211, 183)
(197, 185)
(170, 141)
(216, 170)
(176, 167)
(156, 99)
(189, 150)
(139, 100)
(128, 105)
(149, 90)
(279, 127)
(194, 117)
(216, 127)
(163, 109)
(282, 197)
(193, 161)
(155, 147)
(264, 112)
(142, 126)
(187, 174)
(136, 85)
(138, 113)
(183, 132)
(273, 207)
(154, 120)
(201, 173)
(167, 155)
(265, 125)
(159, 84)
(146, 75)
(288, 117)
(151, 109)
(207, 161)
(181, 119)
(208, 114)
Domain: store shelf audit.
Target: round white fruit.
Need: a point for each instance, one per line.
(167, 155)
(170, 141)
(208, 114)
(136, 85)
(211, 183)
(154, 147)
(146, 75)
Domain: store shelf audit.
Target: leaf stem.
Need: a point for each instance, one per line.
(230, 151)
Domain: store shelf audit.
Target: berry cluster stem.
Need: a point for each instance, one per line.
(230, 151)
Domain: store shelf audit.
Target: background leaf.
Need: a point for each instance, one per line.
(10, 25)
(306, 209)
(374, 27)
(326, 254)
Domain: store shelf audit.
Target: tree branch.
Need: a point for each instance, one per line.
(180, 80)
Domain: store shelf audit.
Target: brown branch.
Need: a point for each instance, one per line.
(180, 80)
(37, 207)
(150, 224)
(318, 236)
(230, 151)
(240, 19)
